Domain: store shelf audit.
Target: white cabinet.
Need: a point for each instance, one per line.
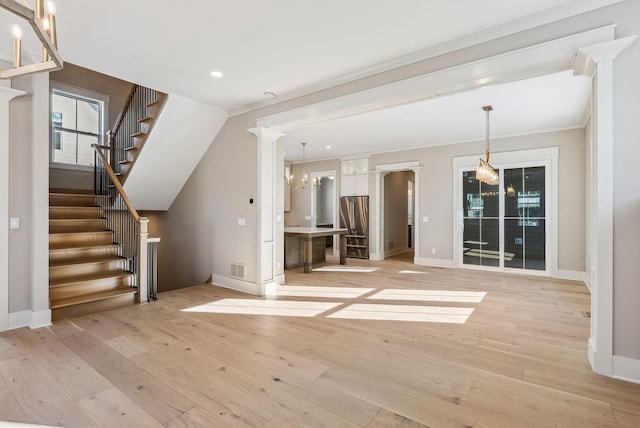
(355, 177)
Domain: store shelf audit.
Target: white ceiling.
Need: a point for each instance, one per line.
(293, 47)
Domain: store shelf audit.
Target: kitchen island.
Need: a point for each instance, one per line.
(304, 237)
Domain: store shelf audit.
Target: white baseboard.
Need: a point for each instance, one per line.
(29, 319)
(235, 284)
(626, 369)
(444, 263)
(374, 257)
(572, 275)
(591, 354)
(280, 279)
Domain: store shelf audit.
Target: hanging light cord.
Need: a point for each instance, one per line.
(487, 109)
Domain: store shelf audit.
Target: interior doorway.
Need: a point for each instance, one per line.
(323, 205)
(398, 208)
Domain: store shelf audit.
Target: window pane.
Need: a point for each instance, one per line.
(512, 188)
(471, 241)
(534, 240)
(67, 151)
(533, 199)
(489, 251)
(88, 116)
(513, 244)
(63, 111)
(491, 200)
(471, 200)
(85, 151)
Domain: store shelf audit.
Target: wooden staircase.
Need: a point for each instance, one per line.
(86, 274)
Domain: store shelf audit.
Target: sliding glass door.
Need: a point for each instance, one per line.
(505, 226)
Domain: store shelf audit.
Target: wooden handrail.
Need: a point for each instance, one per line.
(116, 183)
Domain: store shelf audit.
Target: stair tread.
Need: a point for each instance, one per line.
(138, 134)
(145, 119)
(123, 162)
(82, 233)
(79, 279)
(131, 148)
(152, 103)
(85, 260)
(89, 246)
(75, 220)
(92, 297)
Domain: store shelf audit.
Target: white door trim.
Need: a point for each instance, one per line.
(547, 157)
(379, 172)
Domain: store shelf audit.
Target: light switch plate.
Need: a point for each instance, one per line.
(14, 223)
(425, 219)
(242, 221)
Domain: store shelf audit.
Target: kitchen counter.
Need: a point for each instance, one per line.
(305, 239)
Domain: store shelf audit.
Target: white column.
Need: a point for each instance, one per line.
(6, 94)
(597, 62)
(266, 204)
(40, 312)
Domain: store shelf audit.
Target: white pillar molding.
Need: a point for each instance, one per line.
(6, 95)
(596, 62)
(266, 204)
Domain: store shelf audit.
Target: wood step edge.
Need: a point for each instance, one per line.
(72, 220)
(72, 195)
(132, 148)
(102, 232)
(146, 119)
(85, 261)
(92, 297)
(70, 191)
(125, 162)
(83, 279)
(83, 247)
(138, 134)
(153, 103)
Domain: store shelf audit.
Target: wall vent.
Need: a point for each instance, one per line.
(237, 270)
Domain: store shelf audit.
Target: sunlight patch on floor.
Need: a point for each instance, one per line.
(412, 271)
(352, 269)
(430, 295)
(321, 292)
(435, 314)
(286, 308)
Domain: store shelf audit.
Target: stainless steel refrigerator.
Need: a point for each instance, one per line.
(354, 215)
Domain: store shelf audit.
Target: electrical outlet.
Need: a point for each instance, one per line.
(425, 219)
(14, 223)
(307, 217)
(242, 221)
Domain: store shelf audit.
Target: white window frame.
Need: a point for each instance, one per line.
(82, 93)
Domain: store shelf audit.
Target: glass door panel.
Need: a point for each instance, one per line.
(524, 218)
(481, 237)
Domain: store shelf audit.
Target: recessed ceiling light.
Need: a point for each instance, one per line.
(269, 94)
(328, 147)
(216, 73)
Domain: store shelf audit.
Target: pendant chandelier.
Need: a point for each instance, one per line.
(43, 27)
(485, 172)
(316, 182)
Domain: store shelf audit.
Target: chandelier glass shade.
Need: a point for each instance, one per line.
(43, 24)
(485, 172)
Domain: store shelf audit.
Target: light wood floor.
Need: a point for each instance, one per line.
(513, 357)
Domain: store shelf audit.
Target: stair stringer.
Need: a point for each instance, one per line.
(180, 137)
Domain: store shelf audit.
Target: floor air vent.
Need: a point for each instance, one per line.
(237, 270)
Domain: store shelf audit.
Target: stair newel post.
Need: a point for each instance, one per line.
(142, 265)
